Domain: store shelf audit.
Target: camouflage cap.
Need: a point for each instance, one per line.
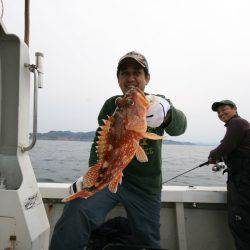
(216, 105)
(138, 57)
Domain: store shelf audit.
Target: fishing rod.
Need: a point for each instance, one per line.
(201, 165)
(218, 166)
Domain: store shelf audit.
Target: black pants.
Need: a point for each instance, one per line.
(238, 187)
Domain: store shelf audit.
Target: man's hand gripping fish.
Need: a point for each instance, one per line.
(118, 143)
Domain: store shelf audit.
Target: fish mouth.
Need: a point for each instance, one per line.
(131, 93)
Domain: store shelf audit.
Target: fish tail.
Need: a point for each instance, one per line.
(83, 194)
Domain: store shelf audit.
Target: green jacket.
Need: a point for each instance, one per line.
(147, 175)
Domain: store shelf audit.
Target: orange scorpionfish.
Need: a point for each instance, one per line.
(118, 143)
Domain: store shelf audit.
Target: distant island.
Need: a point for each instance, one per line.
(66, 136)
(88, 136)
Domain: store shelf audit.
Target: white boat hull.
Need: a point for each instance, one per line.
(193, 218)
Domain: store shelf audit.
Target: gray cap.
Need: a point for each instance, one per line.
(216, 105)
(138, 57)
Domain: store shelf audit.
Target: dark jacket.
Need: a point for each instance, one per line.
(236, 142)
(147, 175)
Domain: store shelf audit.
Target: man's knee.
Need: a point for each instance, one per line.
(72, 230)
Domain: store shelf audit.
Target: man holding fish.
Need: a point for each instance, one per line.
(125, 162)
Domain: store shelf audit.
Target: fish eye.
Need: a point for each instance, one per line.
(130, 102)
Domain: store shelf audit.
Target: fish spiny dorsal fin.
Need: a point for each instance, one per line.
(106, 122)
(102, 132)
(102, 138)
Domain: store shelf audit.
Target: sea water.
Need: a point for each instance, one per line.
(65, 161)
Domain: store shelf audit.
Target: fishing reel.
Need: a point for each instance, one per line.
(218, 166)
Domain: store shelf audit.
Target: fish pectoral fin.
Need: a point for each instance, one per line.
(141, 155)
(114, 183)
(153, 136)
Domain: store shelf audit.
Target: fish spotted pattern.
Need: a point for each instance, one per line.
(118, 143)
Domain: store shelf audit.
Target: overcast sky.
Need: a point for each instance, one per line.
(198, 52)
